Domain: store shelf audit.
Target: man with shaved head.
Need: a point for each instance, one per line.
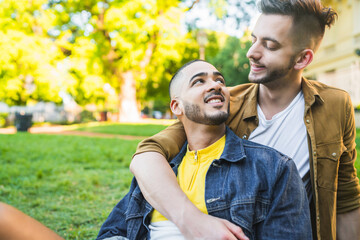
(236, 182)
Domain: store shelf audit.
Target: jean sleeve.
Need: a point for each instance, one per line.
(289, 214)
(115, 224)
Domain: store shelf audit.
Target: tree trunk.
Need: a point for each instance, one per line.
(128, 109)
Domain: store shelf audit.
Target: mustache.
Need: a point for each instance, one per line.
(215, 93)
(256, 62)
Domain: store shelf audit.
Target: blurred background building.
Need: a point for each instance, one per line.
(337, 62)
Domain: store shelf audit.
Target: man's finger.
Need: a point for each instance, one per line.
(236, 230)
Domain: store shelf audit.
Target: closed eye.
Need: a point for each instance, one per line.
(271, 45)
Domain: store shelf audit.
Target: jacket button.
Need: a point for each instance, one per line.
(307, 121)
(244, 137)
(314, 153)
(333, 154)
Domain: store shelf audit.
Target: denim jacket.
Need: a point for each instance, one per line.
(251, 185)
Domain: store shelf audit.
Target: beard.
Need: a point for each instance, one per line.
(274, 74)
(194, 113)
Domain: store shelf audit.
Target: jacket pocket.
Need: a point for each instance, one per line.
(246, 213)
(328, 156)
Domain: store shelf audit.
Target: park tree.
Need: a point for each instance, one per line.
(28, 57)
(131, 45)
(231, 59)
(98, 51)
(80, 47)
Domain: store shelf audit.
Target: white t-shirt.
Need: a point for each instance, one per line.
(165, 230)
(286, 132)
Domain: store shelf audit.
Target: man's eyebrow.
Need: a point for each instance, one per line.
(218, 74)
(267, 39)
(198, 74)
(271, 39)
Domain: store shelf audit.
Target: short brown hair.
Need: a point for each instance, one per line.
(310, 18)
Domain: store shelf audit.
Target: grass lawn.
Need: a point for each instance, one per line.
(69, 183)
(124, 129)
(357, 163)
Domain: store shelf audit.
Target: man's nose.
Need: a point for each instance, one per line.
(254, 52)
(214, 85)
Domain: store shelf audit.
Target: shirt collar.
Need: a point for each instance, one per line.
(233, 151)
(311, 94)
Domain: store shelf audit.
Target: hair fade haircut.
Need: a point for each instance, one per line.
(310, 18)
(175, 76)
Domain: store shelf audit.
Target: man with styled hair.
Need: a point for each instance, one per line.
(309, 121)
(238, 182)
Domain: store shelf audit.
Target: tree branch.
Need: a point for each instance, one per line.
(193, 4)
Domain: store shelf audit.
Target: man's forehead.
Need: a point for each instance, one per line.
(273, 26)
(198, 67)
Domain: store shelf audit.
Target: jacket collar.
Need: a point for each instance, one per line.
(233, 151)
(250, 102)
(234, 147)
(311, 95)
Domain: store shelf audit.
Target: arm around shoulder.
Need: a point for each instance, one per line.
(168, 142)
(153, 173)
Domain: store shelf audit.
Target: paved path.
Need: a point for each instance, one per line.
(66, 130)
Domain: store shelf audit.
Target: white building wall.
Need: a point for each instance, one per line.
(347, 79)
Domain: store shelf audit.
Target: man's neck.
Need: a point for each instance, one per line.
(200, 136)
(276, 96)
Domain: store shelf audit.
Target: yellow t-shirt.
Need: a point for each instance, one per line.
(191, 175)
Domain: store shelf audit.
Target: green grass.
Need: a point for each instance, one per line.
(357, 163)
(125, 129)
(69, 183)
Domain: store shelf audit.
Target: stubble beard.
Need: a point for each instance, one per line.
(194, 113)
(273, 75)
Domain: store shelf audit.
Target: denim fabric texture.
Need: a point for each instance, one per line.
(251, 185)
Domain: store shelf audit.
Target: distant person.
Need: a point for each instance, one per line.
(237, 182)
(309, 121)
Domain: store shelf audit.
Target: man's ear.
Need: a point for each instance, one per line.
(175, 107)
(304, 58)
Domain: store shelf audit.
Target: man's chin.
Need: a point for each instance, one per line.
(258, 79)
(217, 119)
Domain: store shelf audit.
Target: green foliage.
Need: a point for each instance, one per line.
(119, 36)
(3, 119)
(357, 141)
(28, 57)
(231, 60)
(125, 129)
(87, 116)
(69, 183)
(53, 46)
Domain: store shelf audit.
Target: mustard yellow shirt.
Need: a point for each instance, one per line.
(192, 173)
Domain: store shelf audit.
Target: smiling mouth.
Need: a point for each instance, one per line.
(214, 98)
(256, 67)
(214, 101)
